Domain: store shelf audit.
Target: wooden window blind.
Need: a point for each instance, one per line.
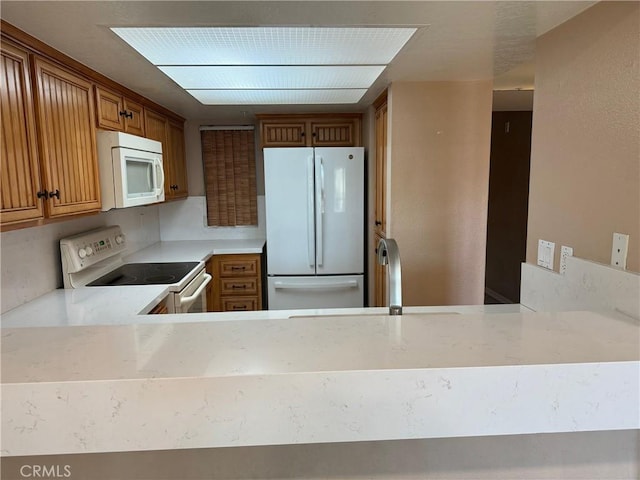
(230, 177)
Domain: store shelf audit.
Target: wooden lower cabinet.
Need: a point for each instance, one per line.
(160, 309)
(237, 282)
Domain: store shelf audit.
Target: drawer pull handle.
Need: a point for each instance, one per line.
(238, 287)
(239, 307)
(235, 269)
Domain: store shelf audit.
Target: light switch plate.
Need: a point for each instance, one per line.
(619, 249)
(546, 251)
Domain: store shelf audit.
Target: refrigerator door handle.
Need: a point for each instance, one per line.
(320, 213)
(342, 284)
(310, 214)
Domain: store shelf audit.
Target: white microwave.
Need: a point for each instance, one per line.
(131, 171)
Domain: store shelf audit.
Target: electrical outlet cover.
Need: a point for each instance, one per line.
(564, 253)
(619, 250)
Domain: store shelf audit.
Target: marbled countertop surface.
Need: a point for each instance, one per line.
(93, 373)
(316, 379)
(121, 305)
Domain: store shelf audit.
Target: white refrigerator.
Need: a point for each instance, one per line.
(314, 199)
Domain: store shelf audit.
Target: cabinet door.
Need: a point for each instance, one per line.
(134, 120)
(109, 109)
(67, 140)
(381, 170)
(276, 134)
(157, 128)
(177, 158)
(333, 134)
(211, 287)
(20, 166)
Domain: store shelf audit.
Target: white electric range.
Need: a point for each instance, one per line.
(96, 259)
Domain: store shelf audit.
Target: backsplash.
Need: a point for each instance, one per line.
(31, 256)
(187, 220)
(586, 285)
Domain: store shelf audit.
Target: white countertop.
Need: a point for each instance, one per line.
(316, 379)
(192, 250)
(121, 305)
(114, 379)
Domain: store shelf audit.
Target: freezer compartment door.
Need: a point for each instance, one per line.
(339, 178)
(289, 203)
(342, 291)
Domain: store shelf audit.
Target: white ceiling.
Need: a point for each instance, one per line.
(462, 40)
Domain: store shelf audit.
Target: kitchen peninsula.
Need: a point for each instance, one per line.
(306, 379)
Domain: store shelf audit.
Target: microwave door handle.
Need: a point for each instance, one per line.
(158, 165)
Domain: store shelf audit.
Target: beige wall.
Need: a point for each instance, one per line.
(585, 158)
(439, 174)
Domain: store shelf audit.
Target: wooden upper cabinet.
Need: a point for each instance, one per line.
(277, 134)
(20, 165)
(177, 159)
(64, 104)
(335, 134)
(319, 130)
(171, 134)
(380, 226)
(116, 112)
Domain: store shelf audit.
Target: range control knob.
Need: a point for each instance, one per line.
(119, 239)
(82, 253)
(89, 250)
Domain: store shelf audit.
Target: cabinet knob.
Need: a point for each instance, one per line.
(43, 194)
(378, 223)
(55, 194)
(126, 114)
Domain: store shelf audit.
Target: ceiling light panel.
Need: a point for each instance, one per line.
(266, 45)
(278, 97)
(273, 77)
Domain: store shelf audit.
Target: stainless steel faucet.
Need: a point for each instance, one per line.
(388, 254)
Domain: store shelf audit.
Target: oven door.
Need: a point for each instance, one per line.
(193, 298)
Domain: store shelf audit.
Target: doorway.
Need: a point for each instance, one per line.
(508, 205)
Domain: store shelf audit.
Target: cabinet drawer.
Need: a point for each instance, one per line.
(239, 304)
(236, 267)
(238, 286)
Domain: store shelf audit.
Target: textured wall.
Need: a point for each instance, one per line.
(585, 154)
(31, 264)
(439, 177)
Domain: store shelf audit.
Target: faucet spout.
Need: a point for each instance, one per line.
(388, 254)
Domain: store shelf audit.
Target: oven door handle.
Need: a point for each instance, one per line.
(187, 301)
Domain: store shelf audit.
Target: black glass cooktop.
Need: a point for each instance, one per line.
(145, 274)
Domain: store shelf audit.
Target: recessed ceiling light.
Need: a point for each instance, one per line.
(289, 76)
(266, 45)
(278, 97)
(306, 65)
